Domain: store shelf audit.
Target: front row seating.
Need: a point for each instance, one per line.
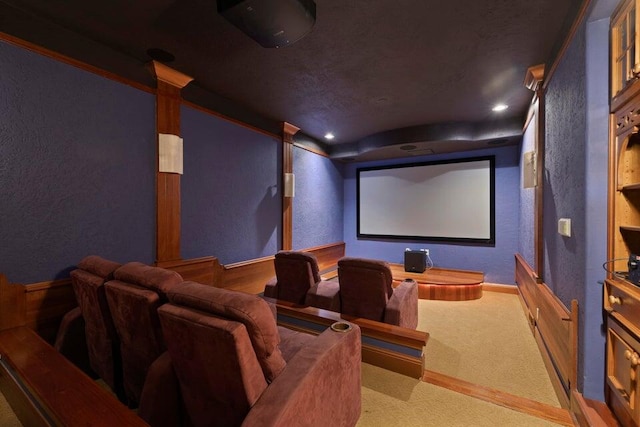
(195, 355)
(235, 366)
(134, 297)
(99, 336)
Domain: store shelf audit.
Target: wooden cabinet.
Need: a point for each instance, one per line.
(622, 303)
(621, 297)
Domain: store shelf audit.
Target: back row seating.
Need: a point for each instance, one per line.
(227, 363)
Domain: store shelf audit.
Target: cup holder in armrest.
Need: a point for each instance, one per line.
(341, 327)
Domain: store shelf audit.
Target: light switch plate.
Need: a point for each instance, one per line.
(564, 227)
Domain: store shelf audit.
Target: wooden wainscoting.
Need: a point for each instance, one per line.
(205, 270)
(12, 304)
(555, 328)
(251, 276)
(40, 306)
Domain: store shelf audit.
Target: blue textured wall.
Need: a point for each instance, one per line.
(231, 206)
(496, 262)
(576, 188)
(564, 183)
(76, 168)
(526, 246)
(318, 203)
(592, 337)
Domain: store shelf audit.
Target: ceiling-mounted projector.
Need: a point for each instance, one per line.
(272, 23)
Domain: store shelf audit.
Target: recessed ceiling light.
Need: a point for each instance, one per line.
(500, 107)
(329, 136)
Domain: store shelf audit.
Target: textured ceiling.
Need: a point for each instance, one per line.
(379, 74)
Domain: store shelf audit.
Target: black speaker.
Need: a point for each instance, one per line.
(634, 269)
(272, 23)
(415, 261)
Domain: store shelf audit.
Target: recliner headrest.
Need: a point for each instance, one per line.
(99, 266)
(302, 256)
(250, 310)
(157, 279)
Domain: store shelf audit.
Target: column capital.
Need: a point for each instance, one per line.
(288, 130)
(168, 75)
(534, 77)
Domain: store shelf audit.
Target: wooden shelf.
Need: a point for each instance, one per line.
(632, 228)
(631, 187)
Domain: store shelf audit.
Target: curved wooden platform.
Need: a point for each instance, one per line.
(443, 284)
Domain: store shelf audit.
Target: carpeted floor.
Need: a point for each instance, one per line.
(486, 342)
(7, 416)
(391, 399)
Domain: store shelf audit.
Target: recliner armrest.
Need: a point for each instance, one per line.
(71, 340)
(402, 307)
(325, 295)
(321, 384)
(160, 401)
(271, 288)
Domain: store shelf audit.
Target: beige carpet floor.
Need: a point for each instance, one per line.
(7, 416)
(486, 342)
(391, 399)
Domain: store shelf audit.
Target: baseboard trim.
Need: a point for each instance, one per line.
(521, 404)
(500, 288)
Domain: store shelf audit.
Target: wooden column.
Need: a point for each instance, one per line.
(288, 130)
(169, 84)
(533, 81)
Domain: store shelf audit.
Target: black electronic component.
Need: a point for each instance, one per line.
(272, 23)
(634, 269)
(415, 261)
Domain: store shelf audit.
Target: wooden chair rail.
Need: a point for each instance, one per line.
(251, 276)
(555, 328)
(42, 305)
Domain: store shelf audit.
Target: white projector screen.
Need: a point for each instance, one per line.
(442, 201)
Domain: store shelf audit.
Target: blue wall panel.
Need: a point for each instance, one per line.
(564, 183)
(496, 262)
(76, 168)
(318, 203)
(526, 245)
(231, 206)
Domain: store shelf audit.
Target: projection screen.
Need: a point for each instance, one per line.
(450, 200)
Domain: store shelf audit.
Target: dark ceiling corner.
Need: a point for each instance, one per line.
(377, 74)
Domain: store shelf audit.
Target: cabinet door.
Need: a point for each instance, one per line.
(623, 359)
(624, 61)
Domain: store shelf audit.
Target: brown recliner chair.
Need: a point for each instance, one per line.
(298, 280)
(134, 297)
(99, 335)
(366, 290)
(235, 366)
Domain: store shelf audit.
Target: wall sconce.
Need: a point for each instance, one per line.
(169, 153)
(289, 185)
(529, 172)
